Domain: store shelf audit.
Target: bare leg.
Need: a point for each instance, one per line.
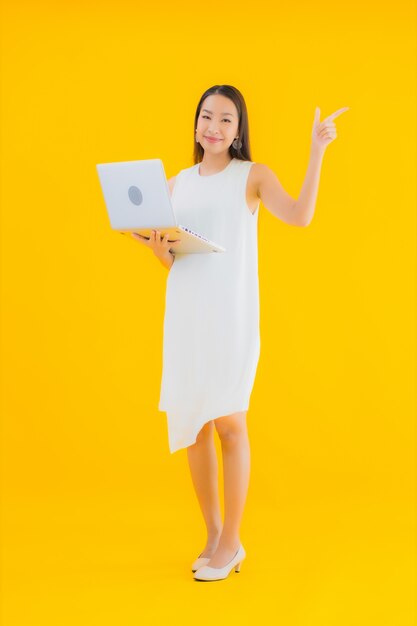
(232, 430)
(202, 459)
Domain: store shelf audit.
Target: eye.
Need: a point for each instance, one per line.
(227, 120)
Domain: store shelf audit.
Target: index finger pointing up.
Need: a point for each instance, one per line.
(337, 113)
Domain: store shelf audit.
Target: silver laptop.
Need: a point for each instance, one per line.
(137, 198)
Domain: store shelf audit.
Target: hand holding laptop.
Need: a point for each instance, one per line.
(159, 245)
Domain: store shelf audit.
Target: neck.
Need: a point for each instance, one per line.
(213, 163)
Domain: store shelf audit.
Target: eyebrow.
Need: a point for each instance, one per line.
(211, 112)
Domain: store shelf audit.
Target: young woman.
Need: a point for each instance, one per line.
(211, 324)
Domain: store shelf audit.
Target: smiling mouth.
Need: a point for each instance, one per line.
(213, 139)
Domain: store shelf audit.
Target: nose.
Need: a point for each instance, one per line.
(213, 129)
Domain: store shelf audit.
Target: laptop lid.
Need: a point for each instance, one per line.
(136, 194)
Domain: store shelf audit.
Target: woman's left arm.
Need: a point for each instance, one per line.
(273, 195)
(323, 134)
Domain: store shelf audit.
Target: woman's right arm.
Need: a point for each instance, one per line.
(160, 246)
(168, 261)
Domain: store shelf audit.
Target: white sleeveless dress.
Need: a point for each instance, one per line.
(211, 344)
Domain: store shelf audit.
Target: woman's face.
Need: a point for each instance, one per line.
(219, 119)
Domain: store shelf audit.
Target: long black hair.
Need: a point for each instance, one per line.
(233, 94)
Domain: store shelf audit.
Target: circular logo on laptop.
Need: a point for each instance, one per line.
(135, 195)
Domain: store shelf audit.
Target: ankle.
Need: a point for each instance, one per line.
(229, 541)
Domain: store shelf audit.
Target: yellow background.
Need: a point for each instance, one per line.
(100, 523)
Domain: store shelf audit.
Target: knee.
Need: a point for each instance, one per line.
(231, 428)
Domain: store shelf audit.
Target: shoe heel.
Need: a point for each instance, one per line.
(237, 568)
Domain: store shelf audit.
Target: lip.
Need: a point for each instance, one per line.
(212, 139)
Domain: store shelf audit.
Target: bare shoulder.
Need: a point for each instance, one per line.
(258, 173)
(252, 186)
(171, 183)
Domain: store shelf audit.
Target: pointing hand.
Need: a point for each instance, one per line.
(325, 132)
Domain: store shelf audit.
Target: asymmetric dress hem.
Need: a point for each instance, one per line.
(190, 438)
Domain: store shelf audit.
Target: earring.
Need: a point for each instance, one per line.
(237, 144)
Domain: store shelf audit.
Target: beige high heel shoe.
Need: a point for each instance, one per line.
(219, 573)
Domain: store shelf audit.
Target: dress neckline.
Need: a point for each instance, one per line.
(216, 173)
